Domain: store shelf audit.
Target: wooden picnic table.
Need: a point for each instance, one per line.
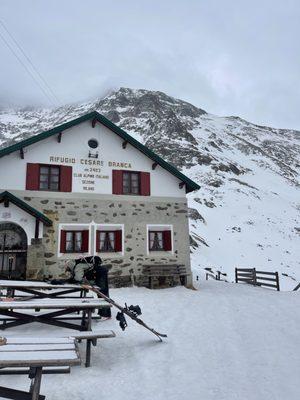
(38, 289)
(35, 356)
(61, 306)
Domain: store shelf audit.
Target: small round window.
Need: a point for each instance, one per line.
(93, 143)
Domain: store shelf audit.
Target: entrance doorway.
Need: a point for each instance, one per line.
(13, 251)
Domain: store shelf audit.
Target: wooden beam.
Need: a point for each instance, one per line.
(6, 203)
(59, 137)
(22, 153)
(94, 121)
(37, 228)
(181, 185)
(154, 165)
(124, 144)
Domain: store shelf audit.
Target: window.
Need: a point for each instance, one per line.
(93, 143)
(160, 240)
(156, 242)
(109, 241)
(131, 182)
(75, 241)
(49, 177)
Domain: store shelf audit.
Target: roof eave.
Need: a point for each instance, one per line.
(26, 207)
(190, 185)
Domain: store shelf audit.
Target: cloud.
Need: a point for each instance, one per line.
(230, 58)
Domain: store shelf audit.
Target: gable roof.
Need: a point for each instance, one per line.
(94, 115)
(24, 206)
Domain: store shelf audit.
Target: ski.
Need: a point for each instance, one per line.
(125, 311)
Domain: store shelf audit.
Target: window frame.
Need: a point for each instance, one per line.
(49, 166)
(131, 173)
(73, 251)
(149, 240)
(98, 245)
(168, 235)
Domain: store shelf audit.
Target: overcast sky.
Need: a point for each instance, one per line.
(230, 57)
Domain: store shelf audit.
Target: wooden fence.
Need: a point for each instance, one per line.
(257, 278)
(216, 276)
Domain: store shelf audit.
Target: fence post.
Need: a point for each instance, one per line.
(236, 276)
(254, 276)
(277, 281)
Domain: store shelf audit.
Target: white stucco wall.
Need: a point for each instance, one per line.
(16, 215)
(74, 150)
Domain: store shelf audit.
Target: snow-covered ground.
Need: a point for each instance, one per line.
(225, 342)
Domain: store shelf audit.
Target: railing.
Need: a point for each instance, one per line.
(257, 278)
(216, 276)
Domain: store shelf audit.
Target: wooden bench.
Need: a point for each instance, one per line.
(36, 289)
(60, 307)
(35, 356)
(91, 339)
(177, 273)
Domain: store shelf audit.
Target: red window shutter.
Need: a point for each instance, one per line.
(85, 241)
(97, 240)
(118, 240)
(63, 235)
(33, 176)
(145, 183)
(66, 174)
(117, 181)
(167, 238)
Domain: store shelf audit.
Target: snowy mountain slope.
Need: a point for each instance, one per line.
(247, 210)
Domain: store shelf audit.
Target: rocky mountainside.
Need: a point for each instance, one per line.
(247, 211)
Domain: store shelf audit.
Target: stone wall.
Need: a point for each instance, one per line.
(135, 215)
(36, 260)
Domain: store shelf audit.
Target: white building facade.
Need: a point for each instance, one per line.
(88, 188)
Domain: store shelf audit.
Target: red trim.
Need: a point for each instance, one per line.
(118, 240)
(66, 175)
(63, 235)
(145, 183)
(117, 181)
(167, 240)
(85, 241)
(32, 176)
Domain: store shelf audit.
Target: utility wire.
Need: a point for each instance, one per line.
(27, 69)
(30, 62)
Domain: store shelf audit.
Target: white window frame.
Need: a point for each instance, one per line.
(74, 227)
(158, 228)
(109, 227)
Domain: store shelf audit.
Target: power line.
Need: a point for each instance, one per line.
(30, 62)
(27, 69)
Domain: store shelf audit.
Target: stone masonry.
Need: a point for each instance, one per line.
(124, 270)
